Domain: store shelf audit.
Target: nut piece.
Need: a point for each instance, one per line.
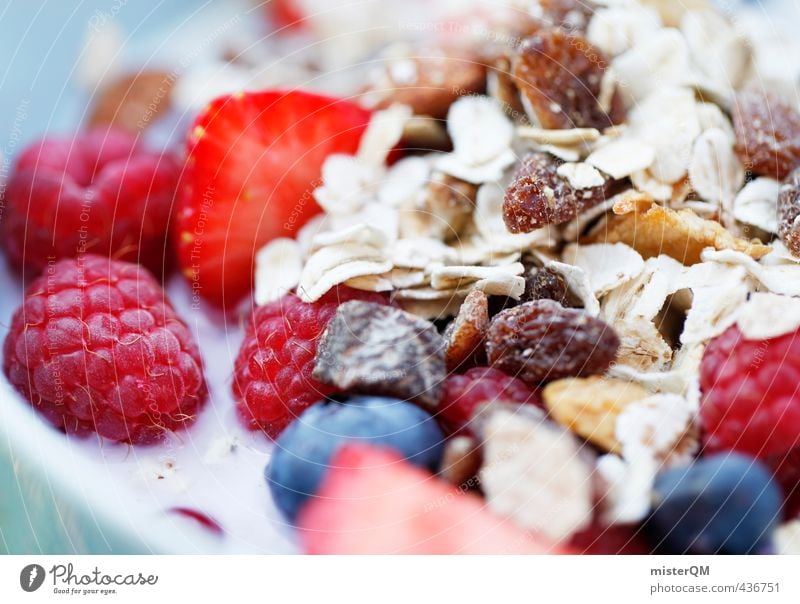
(559, 75)
(376, 349)
(538, 195)
(590, 406)
(428, 80)
(541, 341)
(465, 334)
(652, 230)
(789, 212)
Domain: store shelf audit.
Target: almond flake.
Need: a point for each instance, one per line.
(608, 265)
(757, 203)
(279, 265)
(536, 474)
(767, 315)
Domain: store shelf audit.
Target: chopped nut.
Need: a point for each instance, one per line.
(589, 407)
(441, 212)
(465, 334)
(789, 212)
(378, 349)
(133, 101)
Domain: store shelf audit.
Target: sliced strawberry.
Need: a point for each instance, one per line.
(254, 160)
(285, 13)
(374, 502)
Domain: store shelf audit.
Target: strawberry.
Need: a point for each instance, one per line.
(254, 160)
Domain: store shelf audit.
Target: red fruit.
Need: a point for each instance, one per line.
(750, 401)
(254, 162)
(374, 502)
(463, 394)
(96, 346)
(272, 375)
(98, 192)
(599, 539)
(285, 13)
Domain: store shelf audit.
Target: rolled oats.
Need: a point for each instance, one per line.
(537, 474)
(279, 265)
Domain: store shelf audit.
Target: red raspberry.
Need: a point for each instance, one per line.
(751, 402)
(272, 375)
(96, 192)
(96, 346)
(463, 393)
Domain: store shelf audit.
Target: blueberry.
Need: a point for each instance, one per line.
(303, 451)
(725, 503)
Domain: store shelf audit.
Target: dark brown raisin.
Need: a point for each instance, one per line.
(542, 341)
(547, 284)
(789, 212)
(559, 74)
(538, 196)
(767, 134)
(375, 349)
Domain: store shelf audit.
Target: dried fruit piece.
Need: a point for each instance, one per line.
(383, 350)
(538, 196)
(559, 75)
(767, 134)
(541, 341)
(789, 212)
(547, 284)
(653, 230)
(428, 80)
(590, 406)
(465, 334)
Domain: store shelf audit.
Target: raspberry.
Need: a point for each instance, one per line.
(96, 192)
(96, 346)
(751, 402)
(272, 374)
(464, 393)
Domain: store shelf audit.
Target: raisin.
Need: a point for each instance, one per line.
(767, 134)
(547, 284)
(370, 348)
(559, 74)
(538, 196)
(789, 212)
(542, 341)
